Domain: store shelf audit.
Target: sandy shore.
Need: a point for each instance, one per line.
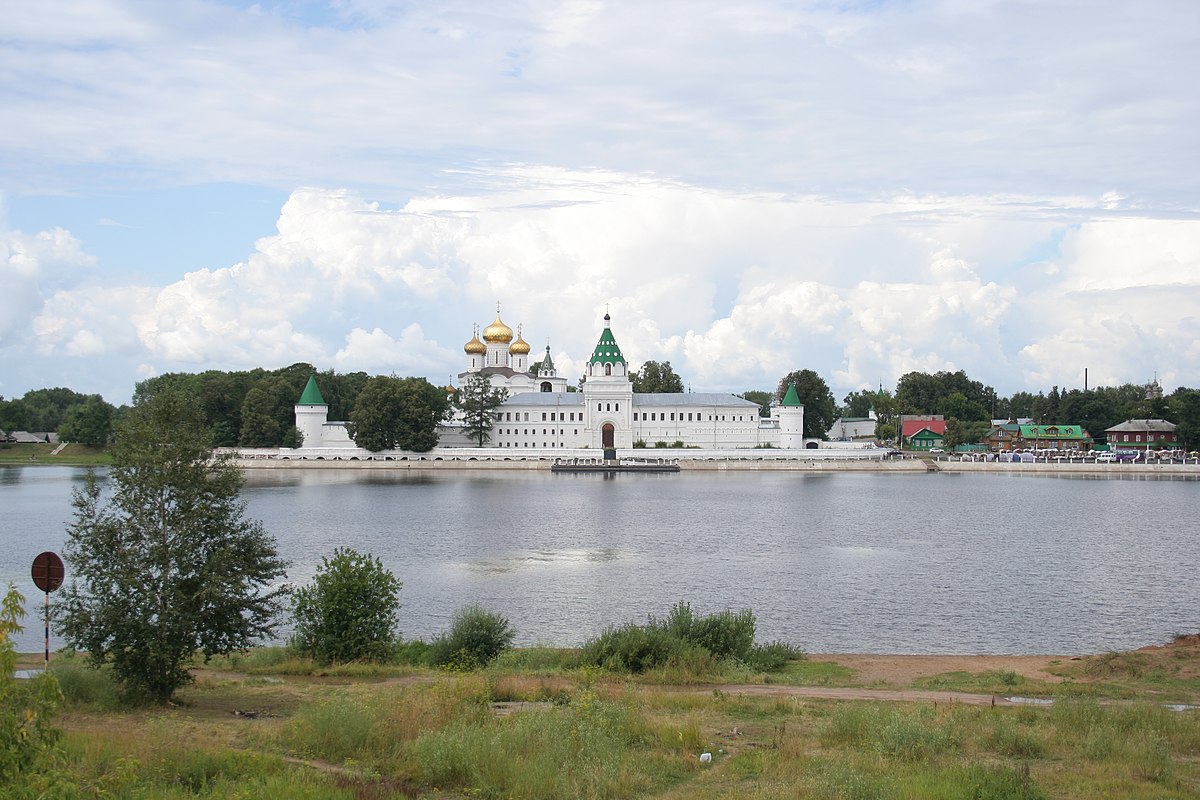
(902, 670)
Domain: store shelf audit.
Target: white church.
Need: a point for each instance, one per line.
(541, 414)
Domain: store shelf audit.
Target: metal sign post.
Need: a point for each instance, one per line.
(48, 573)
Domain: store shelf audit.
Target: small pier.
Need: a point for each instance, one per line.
(611, 465)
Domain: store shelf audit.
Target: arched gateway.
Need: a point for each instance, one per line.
(607, 437)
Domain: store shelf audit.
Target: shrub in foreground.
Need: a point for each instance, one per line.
(683, 636)
(349, 611)
(475, 638)
(26, 708)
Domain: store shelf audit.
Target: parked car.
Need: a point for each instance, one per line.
(1101, 457)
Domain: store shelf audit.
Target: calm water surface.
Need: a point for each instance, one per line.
(835, 563)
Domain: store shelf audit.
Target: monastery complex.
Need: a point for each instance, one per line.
(542, 414)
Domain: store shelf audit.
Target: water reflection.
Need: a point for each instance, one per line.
(542, 559)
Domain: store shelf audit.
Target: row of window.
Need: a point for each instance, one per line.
(525, 432)
(1138, 437)
(555, 416)
(655, 416)
(646, 416)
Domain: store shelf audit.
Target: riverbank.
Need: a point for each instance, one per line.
(1112, 725)
(744, 463)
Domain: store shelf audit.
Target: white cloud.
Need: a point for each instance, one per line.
(735, 289)
(378, 353)
(30, 267)
(837, 99)
(1127, 253)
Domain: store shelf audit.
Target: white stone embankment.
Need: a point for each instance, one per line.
(727, 462)
(1082, 469)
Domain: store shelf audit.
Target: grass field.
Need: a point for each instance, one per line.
(267, 724)
(71, 455)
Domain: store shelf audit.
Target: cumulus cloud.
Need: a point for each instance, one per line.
(735, 289)
(378, 353)
(30, 267)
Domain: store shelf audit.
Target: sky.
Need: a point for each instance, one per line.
(859, 187)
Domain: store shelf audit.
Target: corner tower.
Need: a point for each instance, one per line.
(791, 420)
(311, 414)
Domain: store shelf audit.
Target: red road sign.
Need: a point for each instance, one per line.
(48, 571)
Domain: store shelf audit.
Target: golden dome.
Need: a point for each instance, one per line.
(520, 347)
(475, 347)
(497, 332)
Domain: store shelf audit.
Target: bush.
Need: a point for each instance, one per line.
(476, 637)
(681, 637)
(26, 708)
(633, 648)
(85, 685)
(773, 656)
(349, 612)
(726, 634)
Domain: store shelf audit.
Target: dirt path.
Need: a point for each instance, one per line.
(902, 670)
(829, 693)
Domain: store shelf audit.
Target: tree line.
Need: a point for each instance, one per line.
(255, 408)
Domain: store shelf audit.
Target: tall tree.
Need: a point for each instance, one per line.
(90, 423)
(657, 378)
(922, 393)
(820, 410)
(1184, 406)
(478, 401)
(166, 565)
(401, 413)
(268, 413)
(762, 398)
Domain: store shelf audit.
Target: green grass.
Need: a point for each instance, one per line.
(583, 732)
(72, 455)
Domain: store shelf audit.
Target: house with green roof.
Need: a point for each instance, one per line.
(1051, 437)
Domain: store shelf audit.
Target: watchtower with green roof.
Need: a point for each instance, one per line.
(791, 420)
(311, 412)
(608, 394)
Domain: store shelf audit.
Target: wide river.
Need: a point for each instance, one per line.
(841, 562)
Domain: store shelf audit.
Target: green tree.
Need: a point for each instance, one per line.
(478, 400)
(166, 565)
(14, 416)
(398, 413)
(820, 410)
(26, 708)
(965, 432)
(268, 413)
(349, 611)
(475, 638)
(922, 393)
(861, 403)
(656, 378)
(89, 424)
(958, 405)
(762, 398)
(1184, 405)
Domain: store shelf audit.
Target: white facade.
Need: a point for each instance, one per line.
(540, 413)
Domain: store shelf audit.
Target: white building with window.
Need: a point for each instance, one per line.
(540, 412)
